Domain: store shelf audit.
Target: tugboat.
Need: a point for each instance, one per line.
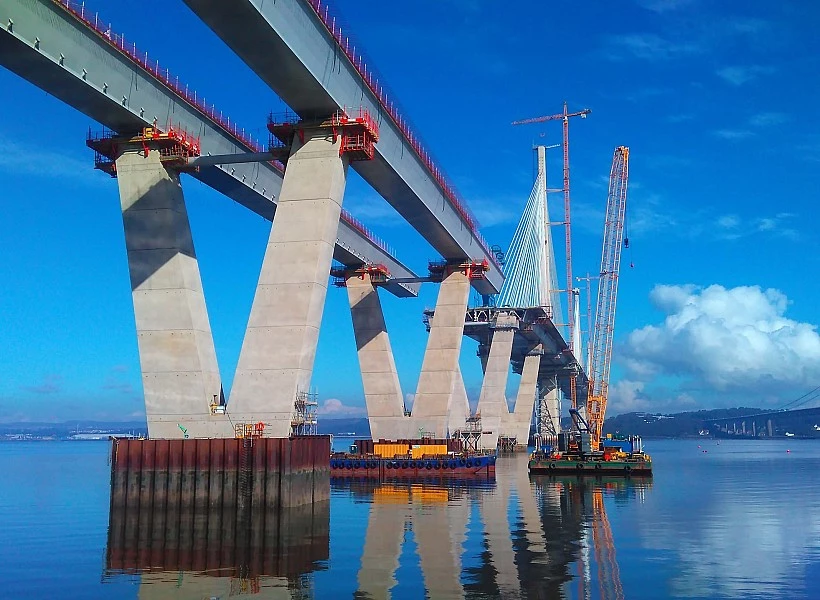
(613, 455)
(411, 459)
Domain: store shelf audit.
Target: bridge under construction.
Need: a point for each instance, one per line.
(155, 131)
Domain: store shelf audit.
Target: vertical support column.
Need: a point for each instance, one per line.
(180, 376)
(553, 407)
(521, 418)
(459, 409)
(440, 364)
(382, 390)
(276, 360)
(492, 401)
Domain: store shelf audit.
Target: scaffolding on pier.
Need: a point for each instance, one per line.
(175, 146)
(305, 420)
(470, 436)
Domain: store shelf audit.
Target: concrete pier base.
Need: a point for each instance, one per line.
(240, 474)
(278, 352)
(382, 390)
(440, 366)
(180, 376)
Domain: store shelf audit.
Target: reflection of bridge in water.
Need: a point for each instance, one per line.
(543, 537)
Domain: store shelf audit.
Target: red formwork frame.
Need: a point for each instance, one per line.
(183, 92)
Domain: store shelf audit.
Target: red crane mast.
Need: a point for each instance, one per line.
(565, 116)
(604, 329)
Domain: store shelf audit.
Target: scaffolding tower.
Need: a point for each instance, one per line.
(304, 421)
(546, 433)
(470, 436)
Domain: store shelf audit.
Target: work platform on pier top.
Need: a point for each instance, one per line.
(64, 50)
(298, 50)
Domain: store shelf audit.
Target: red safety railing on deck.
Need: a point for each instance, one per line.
(333, 25)
(190, 97)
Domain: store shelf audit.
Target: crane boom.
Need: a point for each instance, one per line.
(581, 113)
(564, 116)
(607, 294)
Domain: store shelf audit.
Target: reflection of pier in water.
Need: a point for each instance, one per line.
(516, 537)
(532, 531)
(208, 552)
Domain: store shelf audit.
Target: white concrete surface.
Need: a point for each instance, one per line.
(278, 352)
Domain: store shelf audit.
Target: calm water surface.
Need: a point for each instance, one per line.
(739, 519)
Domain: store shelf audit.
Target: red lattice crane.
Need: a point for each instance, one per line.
(607, 295)
(565, 116)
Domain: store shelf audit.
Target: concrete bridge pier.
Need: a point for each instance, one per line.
(492, 403)
(382, 390)
(439, 368)
(518, 422)
(180, 376)
(278, 352)
(459, 408)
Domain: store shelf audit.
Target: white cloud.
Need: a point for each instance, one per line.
(737, 75)
(767, 119)
(714, 338)
(373, 209)
(733, 134)
(652, 47)
(728, 221)
(27, 159)
(333, 407)
(662, 6)
(497, 211)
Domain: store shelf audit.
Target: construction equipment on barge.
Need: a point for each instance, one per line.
(582, 449)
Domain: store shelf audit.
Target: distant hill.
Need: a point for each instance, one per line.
(684, 424)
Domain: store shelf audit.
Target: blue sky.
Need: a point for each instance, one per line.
(717, 100)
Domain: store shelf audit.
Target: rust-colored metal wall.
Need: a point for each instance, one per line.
(199, 475)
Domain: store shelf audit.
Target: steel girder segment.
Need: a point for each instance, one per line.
(62, 55)
(292, 51)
